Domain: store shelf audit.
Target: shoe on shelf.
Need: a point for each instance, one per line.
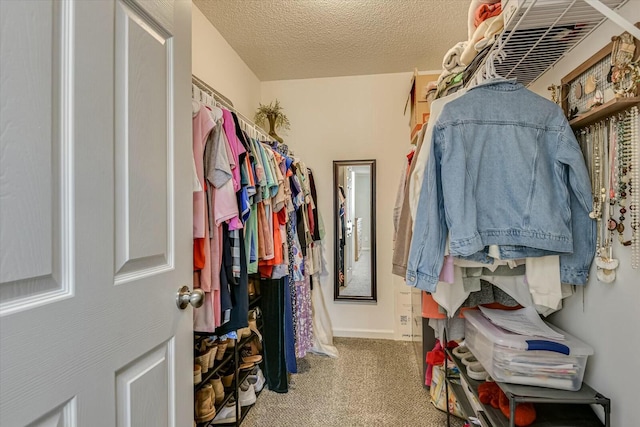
(244, 333)
(197, 374)
(255, 345)
(203, 361)
(222, 347)
(212, 347)
(257, 379)
(205, 410)
(246, 394)
(227, 379)
(257, 372)
(247, 356)
(226, 414)
(218, 389)
(245, 366)
(253, 288)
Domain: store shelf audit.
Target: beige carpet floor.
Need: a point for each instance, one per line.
(372, 383)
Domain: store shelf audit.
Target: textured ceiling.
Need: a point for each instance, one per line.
(296, 39)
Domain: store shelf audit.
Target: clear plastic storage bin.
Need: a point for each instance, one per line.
(520, 359)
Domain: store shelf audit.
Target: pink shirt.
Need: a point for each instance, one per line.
(202, 125)
(226, 206)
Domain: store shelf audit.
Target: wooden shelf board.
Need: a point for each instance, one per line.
(605, 110)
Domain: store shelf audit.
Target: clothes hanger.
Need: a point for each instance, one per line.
(489, 72)
(196, 96)
(214, 110)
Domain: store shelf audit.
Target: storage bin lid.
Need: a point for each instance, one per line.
(521, 342)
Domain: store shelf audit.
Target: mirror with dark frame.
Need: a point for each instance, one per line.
(354, 219)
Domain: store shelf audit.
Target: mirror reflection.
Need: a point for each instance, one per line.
(354, 225)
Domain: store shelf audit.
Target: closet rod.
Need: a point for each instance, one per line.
(226, 102)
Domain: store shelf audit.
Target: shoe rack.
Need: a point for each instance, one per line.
(231, 361)
(553, 407)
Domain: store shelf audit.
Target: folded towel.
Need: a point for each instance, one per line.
(452, 57)
(491, 33)
(473, 7)
(488, 29)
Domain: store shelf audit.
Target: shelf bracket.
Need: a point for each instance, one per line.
(615, 17)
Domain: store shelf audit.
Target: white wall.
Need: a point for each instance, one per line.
(350, 118)
(609, 317)
(215, 62)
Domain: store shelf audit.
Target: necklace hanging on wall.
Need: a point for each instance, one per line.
(634, 188)
(596, 175)
(623, 152)
(605, 263)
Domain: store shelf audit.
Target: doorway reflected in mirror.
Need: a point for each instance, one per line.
(354, 228)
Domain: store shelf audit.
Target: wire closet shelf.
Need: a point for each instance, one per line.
(538, 33)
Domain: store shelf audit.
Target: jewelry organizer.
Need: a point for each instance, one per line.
(602, 108)
(578, 102)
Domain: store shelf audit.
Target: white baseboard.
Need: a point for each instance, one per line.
(381, 334)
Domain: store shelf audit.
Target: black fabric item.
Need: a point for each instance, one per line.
(225, 272)
(239, 132)
(227, 259)
(239, 292)
(302, 237)
(249, 149)
(314, 195)
(289, 333)
(275, 368)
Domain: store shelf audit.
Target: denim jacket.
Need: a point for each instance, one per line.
(505, 169)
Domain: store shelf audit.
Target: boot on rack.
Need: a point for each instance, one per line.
(218, 389)
(211, 346)
(205, 410)
(222, 347)
(197, 374)
(227, 378)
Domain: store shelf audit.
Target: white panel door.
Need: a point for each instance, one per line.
(95, 213)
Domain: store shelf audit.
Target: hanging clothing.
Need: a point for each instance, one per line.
(289, 332)
(419, 163)
(322, 329)
(404, 229)
(258, 215)
(273, 309)
(536, 146)
(202, 125)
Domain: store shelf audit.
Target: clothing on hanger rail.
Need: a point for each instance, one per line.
(206, 94)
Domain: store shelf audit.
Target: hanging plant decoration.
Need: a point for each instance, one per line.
(273, 115)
